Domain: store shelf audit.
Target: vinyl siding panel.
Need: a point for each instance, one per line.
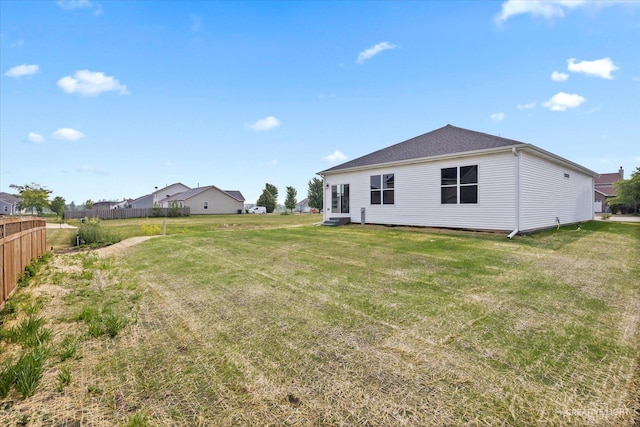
(546, 194)
(417, 195)
(218, 203)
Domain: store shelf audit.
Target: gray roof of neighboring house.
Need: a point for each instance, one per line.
(9, 198)
(195, 191)
(235, 194)
(440, 142)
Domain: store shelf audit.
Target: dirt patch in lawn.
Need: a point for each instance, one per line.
(118, 248)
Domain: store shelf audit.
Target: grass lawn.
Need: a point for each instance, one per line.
(268, 320)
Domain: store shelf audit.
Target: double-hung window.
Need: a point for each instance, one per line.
(382, 189)
(459, 185)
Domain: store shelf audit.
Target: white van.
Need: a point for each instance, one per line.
(257, 210)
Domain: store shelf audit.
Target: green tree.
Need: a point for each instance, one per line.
(57, 205)
(267, 200)
(272, 189)
(72, 206)
(627, 192)
(33, 196)
(290, 202)
(88, 204)
(315, 193)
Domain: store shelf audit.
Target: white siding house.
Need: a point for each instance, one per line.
(458, 178)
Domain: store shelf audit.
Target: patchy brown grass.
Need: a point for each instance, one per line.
(350, 326)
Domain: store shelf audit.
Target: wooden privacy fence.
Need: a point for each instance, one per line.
(126, 213)
(21, 240)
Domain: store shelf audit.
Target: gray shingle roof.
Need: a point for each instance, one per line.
(235, 194)
(440, 142)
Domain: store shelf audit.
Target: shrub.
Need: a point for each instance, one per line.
(151, 229)
(93, 234)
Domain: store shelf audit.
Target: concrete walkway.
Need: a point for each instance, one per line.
(620, 218)
(52, 225)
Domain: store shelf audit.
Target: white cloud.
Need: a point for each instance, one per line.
(74, 4)
(373, 51)
(68, 134)
(90, 83)
(562, 101)
(22, 70)
(498, 117)
(528, 106)
(547, 9)
(559, 77)
(336, 156)
(550, 9)
(267, 123)
(19, 43)
(35, 137)
(599, 68)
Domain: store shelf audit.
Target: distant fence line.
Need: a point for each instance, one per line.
(21, 240)
(126, 213)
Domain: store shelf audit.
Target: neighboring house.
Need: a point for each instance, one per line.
(459, 178)
(104, 205)
(303, 206)
(206, 200)
(150, 200)
(126, 203)
(113, 204)
(9, 204)
(604, 189)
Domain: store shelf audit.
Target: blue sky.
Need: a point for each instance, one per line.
(107, 99)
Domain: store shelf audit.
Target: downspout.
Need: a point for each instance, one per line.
(324, 198)
(517, 199)
(593, 198)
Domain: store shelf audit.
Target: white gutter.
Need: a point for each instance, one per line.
(517, 188)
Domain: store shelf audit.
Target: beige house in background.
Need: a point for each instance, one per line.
(207, 200)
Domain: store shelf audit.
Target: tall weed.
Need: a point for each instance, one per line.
(28, 371)
(30, 332)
